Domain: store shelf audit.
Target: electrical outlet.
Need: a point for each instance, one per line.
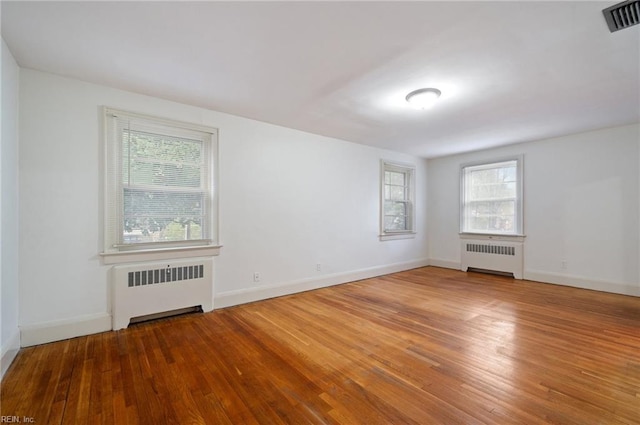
(256, 277)
(318, 267)
(564, 265)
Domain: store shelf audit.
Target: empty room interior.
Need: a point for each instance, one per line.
(320, 212)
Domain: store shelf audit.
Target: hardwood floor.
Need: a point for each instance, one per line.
(426, 346)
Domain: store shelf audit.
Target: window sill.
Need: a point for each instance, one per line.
(395, 236)
(120, 257)
(492, 236)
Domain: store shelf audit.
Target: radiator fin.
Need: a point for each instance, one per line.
(164, 275)
(491, 249)
(493, 255)
(160, 289)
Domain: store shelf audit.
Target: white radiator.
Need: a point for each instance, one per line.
(149, 288)
(500, 256)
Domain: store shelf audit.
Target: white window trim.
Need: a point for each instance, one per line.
(519, 233)
(113, 253)
(411, 170)
(158, 254)
(491, 237)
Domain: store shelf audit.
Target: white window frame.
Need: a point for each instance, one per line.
(115, 251)
(409, 171)
(519, 203)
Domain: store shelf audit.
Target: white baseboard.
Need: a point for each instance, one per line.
(582, 282)
(447, 264)
(9, 352)
(559, 279)
(41, 333)
(231, 298)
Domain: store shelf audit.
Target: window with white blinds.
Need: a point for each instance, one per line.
(398, 209)
(159, 182)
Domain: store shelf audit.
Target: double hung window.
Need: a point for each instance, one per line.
(398, 209)
(491, 197)
(159, 182)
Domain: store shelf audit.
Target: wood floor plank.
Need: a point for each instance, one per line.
(425, 346)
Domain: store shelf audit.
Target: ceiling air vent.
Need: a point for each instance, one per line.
(622, 15)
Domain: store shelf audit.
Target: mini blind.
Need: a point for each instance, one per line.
(160, 181)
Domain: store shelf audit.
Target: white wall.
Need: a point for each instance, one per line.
(10, 337)
(288, 200)
(581, 206)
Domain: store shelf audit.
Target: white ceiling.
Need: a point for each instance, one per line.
(509, 72)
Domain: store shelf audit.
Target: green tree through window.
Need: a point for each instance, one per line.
(163, 181)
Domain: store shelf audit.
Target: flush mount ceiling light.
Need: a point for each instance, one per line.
(423, 98)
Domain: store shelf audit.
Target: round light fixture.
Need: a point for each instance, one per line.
(423, 98)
